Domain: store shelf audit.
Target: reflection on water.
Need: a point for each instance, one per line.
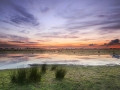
(8, 61)
(116, 56)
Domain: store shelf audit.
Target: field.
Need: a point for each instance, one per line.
(77, 78)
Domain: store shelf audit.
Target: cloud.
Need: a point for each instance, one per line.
(13, 37)
(92, 44)
(112, 42)
(17, 44)
(86, 39)
(101, 16)
(46, 40)
(24, 42)
(16, 41)
(32, 42)
(24, 31)
(101, 25)
(8, 22)
(115, 41)
(49, 34)
(64, 36)
(18, 14)
(111, 27)
(55, 35)
(24, 17)
(6, 45)
(4, 28)
(44, 10)
(91, 16)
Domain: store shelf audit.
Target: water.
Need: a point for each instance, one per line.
(8, 61)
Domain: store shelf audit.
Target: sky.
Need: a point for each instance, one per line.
(60, 23)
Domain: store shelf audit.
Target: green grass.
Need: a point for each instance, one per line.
(76, 78)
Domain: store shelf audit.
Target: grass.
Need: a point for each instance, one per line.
(19, 76)
(13, 77)
(60, 73)
(54, 67)
(76, 78)
(22, 76)
(34, 75)
(43, 68)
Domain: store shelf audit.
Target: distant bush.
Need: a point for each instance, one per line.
(60, 73)
(44, 68)
(54, 67)
(34, 75)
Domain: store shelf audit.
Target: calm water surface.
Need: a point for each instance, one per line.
(8, 61)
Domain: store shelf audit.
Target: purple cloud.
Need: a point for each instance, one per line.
(14, 37)
(20, 14)
(16, 41)
(115, 41)
(24, 31)
(44, 10)
(55, 35)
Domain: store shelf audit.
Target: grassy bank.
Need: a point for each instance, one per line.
(76, 78)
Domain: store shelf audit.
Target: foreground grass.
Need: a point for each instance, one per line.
(77, 78)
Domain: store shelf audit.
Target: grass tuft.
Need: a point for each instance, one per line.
(18, 76)
(34, 75)
(44, 68)
(13, 77)
(21, 76)
(54, 67)
(60, 73)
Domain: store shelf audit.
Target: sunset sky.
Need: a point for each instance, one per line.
(60, 23)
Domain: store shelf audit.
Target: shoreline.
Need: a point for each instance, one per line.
(65, 65)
